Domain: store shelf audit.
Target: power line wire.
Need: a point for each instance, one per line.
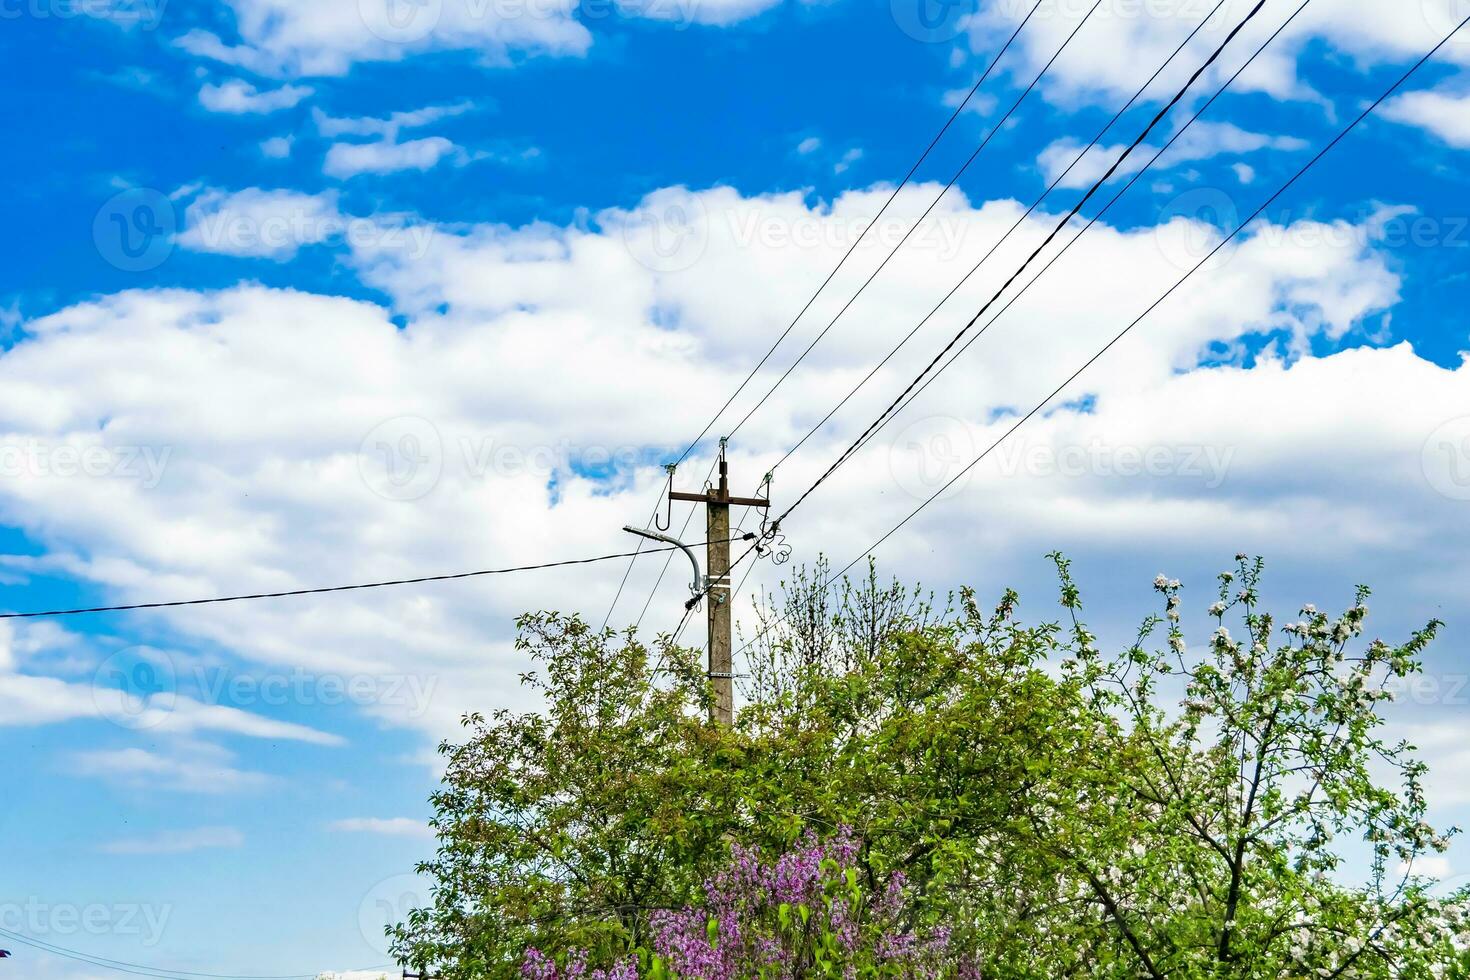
(1003, 239)
(1153, 123)
(162, 973)
(861, 237)
(915, 227)
(830, 276)
(322, 591)
(1152, 306)
(1092, 221)
(890, 412)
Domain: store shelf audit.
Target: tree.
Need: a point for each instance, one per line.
(1035, 798)
(1210, 843)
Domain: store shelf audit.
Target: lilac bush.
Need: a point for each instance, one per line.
(806, 914)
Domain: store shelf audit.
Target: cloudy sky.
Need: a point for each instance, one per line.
(307, 294)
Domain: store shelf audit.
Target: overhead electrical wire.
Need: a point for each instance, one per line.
(321, 591)
(161, 973)
(1090, 223)
(1137, 176)
(1235, 233)
(1056, 182)
(1153, 123)
(863, 235)
(974, 89)
(996, 128)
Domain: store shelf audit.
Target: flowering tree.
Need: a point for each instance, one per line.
(1047, 809)
(806, 914)
(1209, 845)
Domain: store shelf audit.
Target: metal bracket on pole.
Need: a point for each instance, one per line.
(694, 587)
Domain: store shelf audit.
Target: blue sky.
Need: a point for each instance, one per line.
(296, 297)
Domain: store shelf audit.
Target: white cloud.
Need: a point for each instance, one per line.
(531, 345)
(239, 97)
(389, 128)
(848, 159)
(1244, 172)
(326, 37)
(1444, 113)
(386, 154)
(200, 769)
(277, 224)
(1115, 52)
(277, 147)
(254, 222)
(353, 159)
(177, 841)
(391, 827)
(37, 697)
(809, 145)
(1201, 141)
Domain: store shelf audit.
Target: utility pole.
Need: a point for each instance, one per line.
(717, 503)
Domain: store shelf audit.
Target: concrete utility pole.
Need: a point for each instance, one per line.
(717, 578)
